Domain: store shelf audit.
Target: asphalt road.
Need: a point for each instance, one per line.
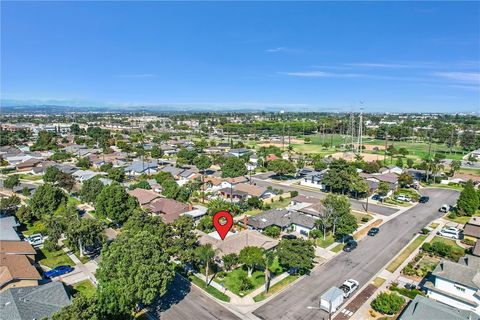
(185, 302)
(372, 254)
(357, 205)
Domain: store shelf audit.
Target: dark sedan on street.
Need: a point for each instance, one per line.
(423, 199)
(373, 231)
(350, 246)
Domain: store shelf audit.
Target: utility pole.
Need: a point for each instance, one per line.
(360, 132)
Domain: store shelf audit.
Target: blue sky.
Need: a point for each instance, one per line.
(411, 56)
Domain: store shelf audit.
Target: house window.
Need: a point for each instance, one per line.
(459, 287)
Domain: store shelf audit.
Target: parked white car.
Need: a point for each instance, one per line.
(403, 198)
(348, 287)
(450, 232)
(445, 208)
(36, 239)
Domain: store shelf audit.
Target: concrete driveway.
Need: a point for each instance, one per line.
(372, 254)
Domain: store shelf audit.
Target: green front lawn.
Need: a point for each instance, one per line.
(232, 281)
(459, 219)
(329, 239)
(275, 288)
(253, 212)
(406, 253)
(29, 177)
(211, 290)
(280, 204)
(338, 247)
(359, 216)
(450, 242)
(85, 288)
(53, 259)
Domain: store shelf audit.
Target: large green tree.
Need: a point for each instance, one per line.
(234, 167)
(46, 200)
(115, 203)
(296, 254)
(468, 201)
(90, 190)
(82, 308)
(11, 181)
(251, 257)
(281, 167)
(340, 176)
(135, 269)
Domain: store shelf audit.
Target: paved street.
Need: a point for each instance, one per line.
(185, 302)
(372, 254)
(356, 205)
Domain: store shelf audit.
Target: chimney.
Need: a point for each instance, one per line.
(190, 207)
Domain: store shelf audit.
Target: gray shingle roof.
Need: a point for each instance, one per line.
(27, 303)
(280, 217)
(468, 275)
(422, 308)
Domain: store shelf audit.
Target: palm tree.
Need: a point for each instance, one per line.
(268, 258)
(205, 255)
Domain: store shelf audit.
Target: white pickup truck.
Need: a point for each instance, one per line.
(348, 287)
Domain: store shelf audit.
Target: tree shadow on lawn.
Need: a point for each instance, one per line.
(176, 292)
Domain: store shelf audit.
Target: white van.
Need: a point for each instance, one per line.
(452, 233)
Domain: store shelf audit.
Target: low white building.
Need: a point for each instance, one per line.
(457, 284)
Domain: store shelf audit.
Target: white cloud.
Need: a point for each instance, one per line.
(277, 49)
(465, 77)
(321, 74)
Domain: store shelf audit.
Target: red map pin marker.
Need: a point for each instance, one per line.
(222, 227)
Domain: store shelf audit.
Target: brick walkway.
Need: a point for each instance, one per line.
(356, 303)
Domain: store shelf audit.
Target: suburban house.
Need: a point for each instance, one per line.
(234, 242)
(174, 171)
(8, 229)
(186, 176)
(302, 201)
(390, 178)
(138, 167)
(421, 308)
(254, 190)
(143, 196)
(84, 175)
(313, 179)
(472, 227)
(16, 269)
(239, 152)
(213, 184)
(231, 194)
(244, 191)
(197, 212)
(28, 165)
(168, 149)
(168, 209)
(390, 169)
(38, 302)
(231, 182)
(284, 219)
(457, 284)
(271, 157)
